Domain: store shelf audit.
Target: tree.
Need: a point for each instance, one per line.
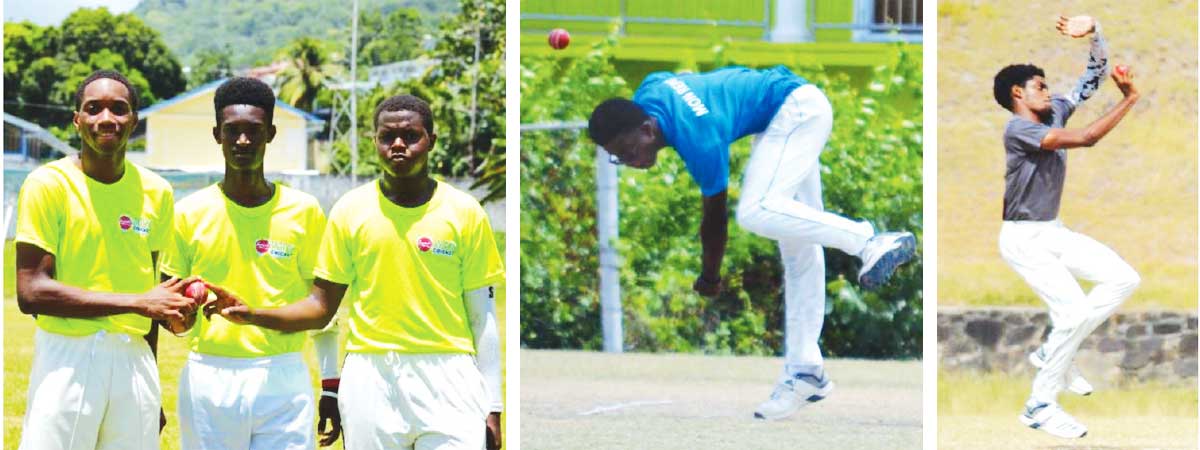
(211, 65)
(387, 39)
(308, 68)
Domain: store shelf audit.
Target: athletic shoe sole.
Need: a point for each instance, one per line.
(1038, 364)
(1033, 424)
(821, 393)
(882, 270)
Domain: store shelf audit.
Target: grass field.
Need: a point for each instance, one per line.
(979, 411)
(18, 356)
(1135, 190)
(677, 401)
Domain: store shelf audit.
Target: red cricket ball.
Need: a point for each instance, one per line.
(1121, 69)
(197, 291)
(559, 38)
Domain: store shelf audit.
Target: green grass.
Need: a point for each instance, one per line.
(1135, 191)
(980, 411)
(18, 356)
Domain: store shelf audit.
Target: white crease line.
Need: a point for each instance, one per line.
(604, 409)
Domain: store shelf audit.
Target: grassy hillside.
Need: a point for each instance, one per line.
(1135, 190)
(254, 31)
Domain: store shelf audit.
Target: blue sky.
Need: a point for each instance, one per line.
(52, 12)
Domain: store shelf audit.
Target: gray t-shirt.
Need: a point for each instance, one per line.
(1033, 183)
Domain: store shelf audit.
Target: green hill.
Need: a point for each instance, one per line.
(255, 30)
(1134, 191)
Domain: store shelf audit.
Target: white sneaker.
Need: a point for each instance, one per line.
(881, 256)
(1052, 419)
(1075, 381)
(792, 394)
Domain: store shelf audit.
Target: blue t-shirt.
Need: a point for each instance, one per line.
(700, 115)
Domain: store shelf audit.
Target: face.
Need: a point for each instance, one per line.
(634, 148)
(106, 117)
(403, 143)
(1035, 94)
(243, 134)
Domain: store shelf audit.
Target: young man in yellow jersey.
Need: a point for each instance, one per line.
(243, 386)
(89, 229)
(418, 263)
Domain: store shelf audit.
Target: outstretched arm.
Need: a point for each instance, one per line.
(1097, 65)
(714, 232)
(1058, 138)
(38, 292)
(311, 313)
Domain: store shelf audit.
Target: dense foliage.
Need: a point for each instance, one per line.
(871, 169)
(43, 66)
(258, 29)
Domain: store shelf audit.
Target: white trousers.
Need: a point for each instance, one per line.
(1050, 258)
(98, 391)
(261, 403)
(781, 200)
(412, 401)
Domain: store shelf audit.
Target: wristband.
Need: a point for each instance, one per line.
(330, 384)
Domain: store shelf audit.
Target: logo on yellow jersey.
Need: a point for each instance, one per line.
(444, 248)
(139, 226)
(274, 248)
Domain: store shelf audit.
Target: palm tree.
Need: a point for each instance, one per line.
(308, 68)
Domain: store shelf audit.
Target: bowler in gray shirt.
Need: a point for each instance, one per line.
(1033, 240)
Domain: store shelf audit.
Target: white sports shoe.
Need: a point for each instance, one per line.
(792, 394)
(881, 256)
(1052, 419)
(1075, 381)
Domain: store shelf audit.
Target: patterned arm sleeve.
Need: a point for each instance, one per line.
(1097, 68)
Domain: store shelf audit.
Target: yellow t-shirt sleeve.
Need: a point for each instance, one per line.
(176, 257)
(482, 264)
(161, 233)
(333, 259)
(39, 216)
(314, 233)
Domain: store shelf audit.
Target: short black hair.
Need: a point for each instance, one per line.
(613, 117)
(112, 75)
(1013, 75)
(406, 102)
(245, 91)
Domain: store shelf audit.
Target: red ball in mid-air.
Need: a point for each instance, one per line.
(559, 38)
(197, 291)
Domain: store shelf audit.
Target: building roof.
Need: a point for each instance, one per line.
(39, 132)
(212, 85)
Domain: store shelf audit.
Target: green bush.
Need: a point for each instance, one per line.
(871, 169)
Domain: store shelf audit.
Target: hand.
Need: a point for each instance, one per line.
(1123, 76)
(328, 414)
(227, 305)
(492, 431)
(1076, 27)
(707, 286)
(166, 301)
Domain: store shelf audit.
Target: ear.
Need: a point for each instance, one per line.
(217, 134)
(75, 120)
(1017, 92)
(432, 140)
(271, 132)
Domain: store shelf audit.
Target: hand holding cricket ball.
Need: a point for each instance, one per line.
(1123, 76)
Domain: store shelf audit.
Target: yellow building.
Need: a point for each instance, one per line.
(179, 135)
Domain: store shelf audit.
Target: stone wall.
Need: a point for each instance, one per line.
(1130, 346)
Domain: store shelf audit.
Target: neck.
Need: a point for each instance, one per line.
(408, 192)
(660, 141)
(106, 169)
(247, 188)
(1027, 113)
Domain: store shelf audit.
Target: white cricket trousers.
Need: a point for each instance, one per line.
(263, 403)
(412, 401)
(1050, 258)
(781, 200)
(98, 391)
